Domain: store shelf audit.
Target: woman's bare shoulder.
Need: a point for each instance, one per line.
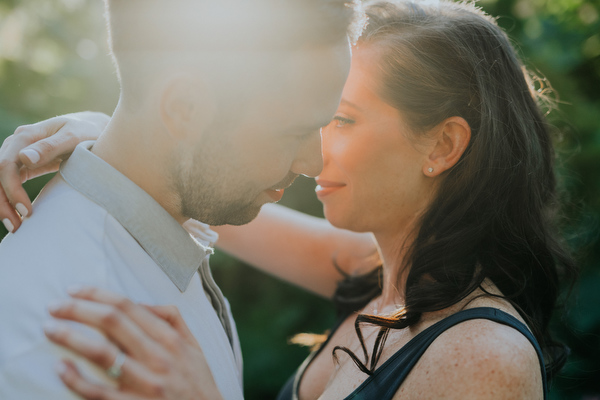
(476, 359)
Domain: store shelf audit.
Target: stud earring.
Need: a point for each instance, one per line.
(430, 170)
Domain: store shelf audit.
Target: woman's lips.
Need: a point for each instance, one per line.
(325, 188)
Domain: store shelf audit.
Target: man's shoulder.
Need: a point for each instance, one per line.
(58, 246)
(60, 215)
(60, 243)
(60, 203)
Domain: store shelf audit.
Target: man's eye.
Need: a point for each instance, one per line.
(341, 121)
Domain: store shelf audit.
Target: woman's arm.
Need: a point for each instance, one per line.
(38, 149)
(299, 248)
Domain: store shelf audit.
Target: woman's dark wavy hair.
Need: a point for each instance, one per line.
(495, 213)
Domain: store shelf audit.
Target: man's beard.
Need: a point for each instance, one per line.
(202, 198)
(208, 192)
(211, 211)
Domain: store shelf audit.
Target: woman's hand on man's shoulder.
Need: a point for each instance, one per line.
(38, 149)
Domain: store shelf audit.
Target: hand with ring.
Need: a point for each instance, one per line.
(151, 354)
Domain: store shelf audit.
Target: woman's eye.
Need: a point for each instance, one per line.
(341, 121)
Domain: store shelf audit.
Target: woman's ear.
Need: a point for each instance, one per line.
(452, 138)
(187, 107)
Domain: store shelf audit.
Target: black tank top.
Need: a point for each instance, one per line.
(388, 377)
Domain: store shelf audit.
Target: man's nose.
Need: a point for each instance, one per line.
(309, 161)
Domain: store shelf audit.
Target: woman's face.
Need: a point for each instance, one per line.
(373, 176)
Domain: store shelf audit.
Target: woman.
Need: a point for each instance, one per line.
(439, 149)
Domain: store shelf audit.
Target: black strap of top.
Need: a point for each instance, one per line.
(386, 379)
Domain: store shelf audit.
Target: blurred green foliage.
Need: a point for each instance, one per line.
(54, 60)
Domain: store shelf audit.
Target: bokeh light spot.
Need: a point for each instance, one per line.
(87, 49)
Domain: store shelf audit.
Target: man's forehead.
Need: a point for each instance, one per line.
(304, 72)
(299, 96)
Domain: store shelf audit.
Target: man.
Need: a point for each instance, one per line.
(220, 109)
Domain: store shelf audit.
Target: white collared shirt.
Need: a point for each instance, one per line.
(93, 226)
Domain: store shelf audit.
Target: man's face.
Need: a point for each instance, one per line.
(227, 176)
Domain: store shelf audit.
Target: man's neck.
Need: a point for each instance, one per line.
(134, 147)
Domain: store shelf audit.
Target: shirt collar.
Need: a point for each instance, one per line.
(159, 234)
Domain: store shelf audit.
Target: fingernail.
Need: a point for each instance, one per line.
(8, 225)
(22, 210)
(32, 155)
(55, 306)
(51, 327)
(60, 368)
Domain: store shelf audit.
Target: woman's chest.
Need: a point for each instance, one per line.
(337, 379)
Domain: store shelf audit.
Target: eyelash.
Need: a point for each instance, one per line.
(342, 120)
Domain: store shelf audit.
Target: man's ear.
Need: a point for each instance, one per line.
(452, 138)
(187, 107)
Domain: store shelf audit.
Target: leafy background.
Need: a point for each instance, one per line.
(54, 60)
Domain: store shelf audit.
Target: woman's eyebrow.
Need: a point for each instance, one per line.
(350, 104)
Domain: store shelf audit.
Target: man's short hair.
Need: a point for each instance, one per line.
(144, 34)
(155, 25)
